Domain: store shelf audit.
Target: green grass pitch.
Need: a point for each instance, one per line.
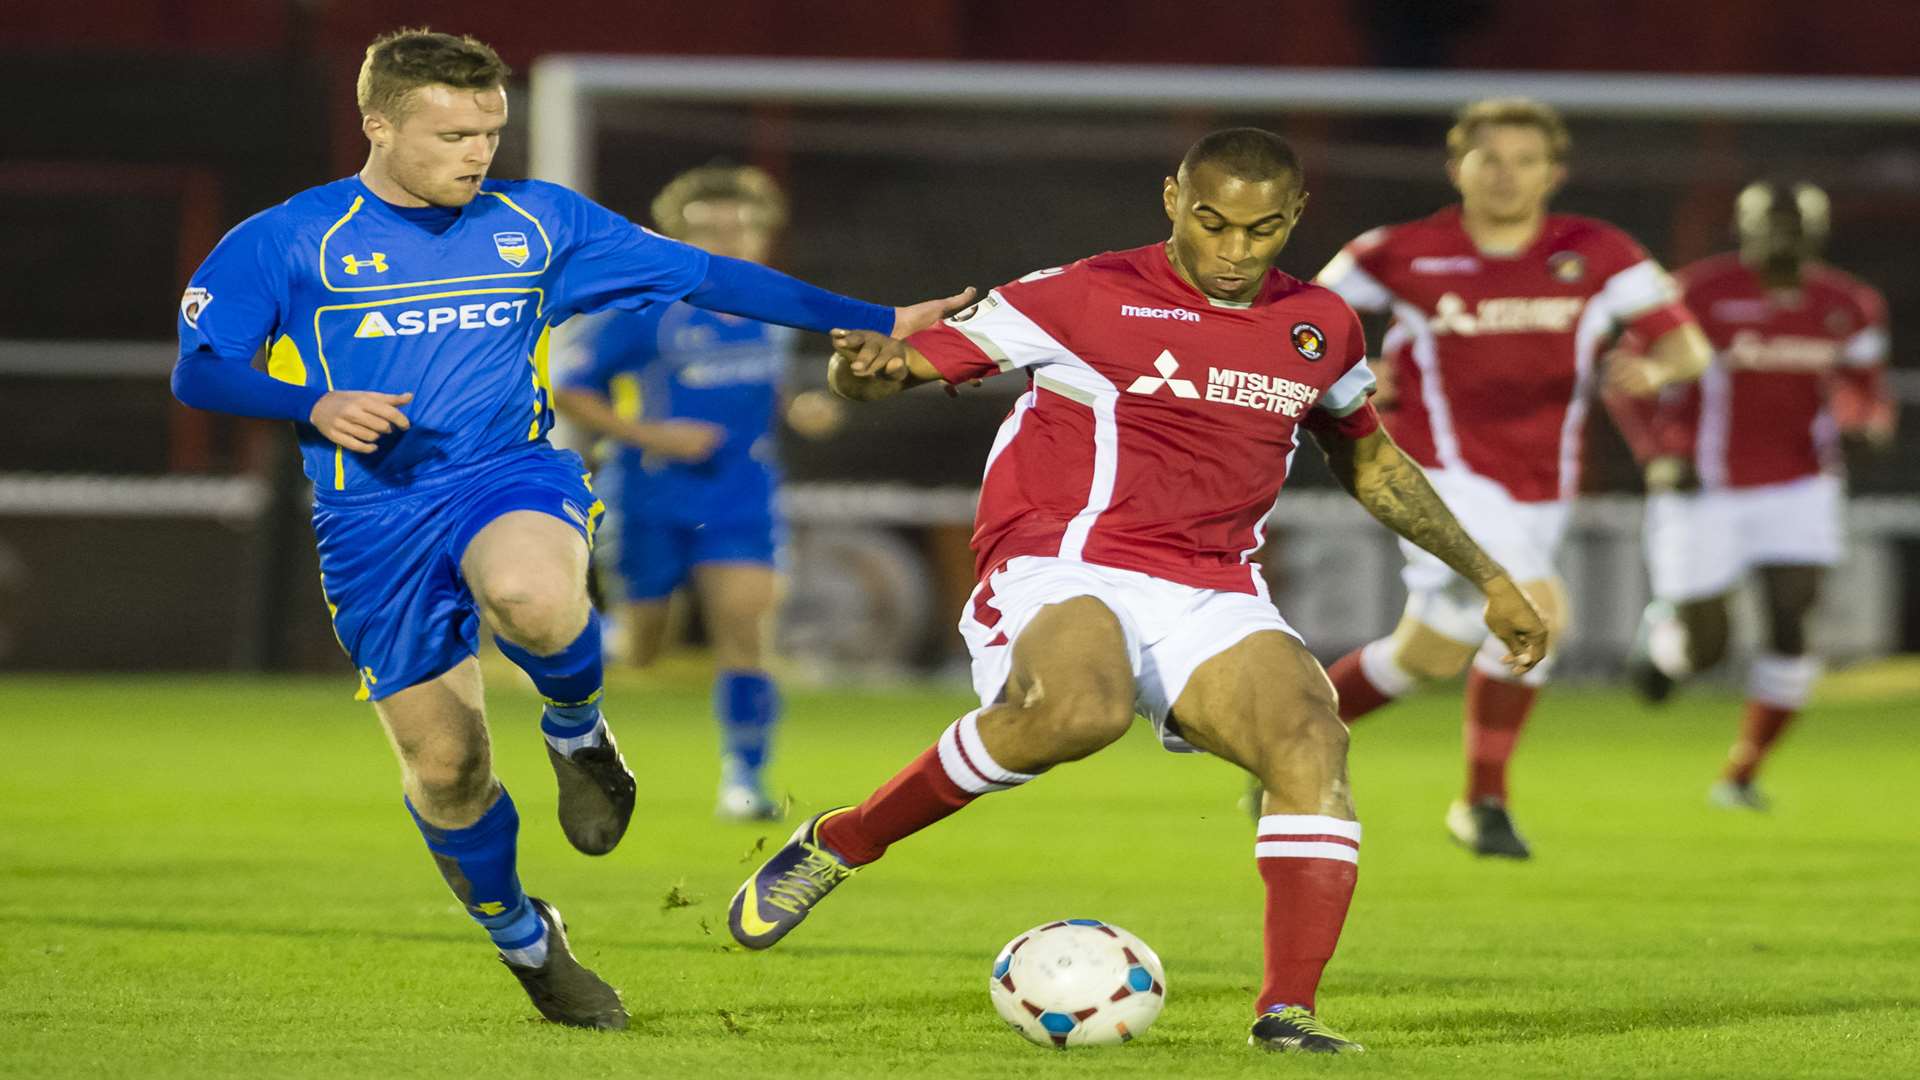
(214, 877)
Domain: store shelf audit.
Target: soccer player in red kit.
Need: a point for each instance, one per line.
(1122, 502)
(1498, 308)
(1745, 473)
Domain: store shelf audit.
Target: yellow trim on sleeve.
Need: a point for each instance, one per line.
(285, 363)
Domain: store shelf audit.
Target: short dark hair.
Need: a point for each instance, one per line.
(405, 60)
(1246, 152)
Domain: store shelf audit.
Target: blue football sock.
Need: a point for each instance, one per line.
(746, 704)
(570, 681)
(478, 863)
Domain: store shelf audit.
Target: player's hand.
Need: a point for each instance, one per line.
(356, 419)
(815, 414)
(1670, 473)
(679, 440)
(1515, 620)
(868, 355)
(1634, 374)
(908, 321)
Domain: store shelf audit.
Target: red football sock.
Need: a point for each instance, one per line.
(1310, 863)
(949, 775)
(1758, 730)
(1496, 710)
(1358, 695)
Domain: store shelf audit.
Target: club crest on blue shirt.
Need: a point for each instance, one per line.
(193, 303)
(512, 247)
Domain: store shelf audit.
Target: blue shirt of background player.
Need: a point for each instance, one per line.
(692, 364)
(349, 293)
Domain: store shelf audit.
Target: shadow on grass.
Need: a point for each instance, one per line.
(1472, 1027)
(596, 941)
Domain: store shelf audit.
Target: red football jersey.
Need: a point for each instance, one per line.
(1761, 415)
(1494, 356)
(1157, 425)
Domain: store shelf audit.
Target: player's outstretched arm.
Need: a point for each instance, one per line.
(1680, 355)
(1380, 476)
(738, 287)
(666, 440)
(867, 366)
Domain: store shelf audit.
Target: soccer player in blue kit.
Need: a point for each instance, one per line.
(689, 398)
(406, 311)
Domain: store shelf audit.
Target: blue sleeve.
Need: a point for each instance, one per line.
(232, 306)
(607, 261)
(610, 344)
(738, 287)
(234, 302)
(206, 381)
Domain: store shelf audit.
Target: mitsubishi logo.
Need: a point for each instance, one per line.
(1166, 365)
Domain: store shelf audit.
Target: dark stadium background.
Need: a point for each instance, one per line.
(137, 133)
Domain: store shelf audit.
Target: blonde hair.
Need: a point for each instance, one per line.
(405, 60)
(718, 183)
(1518, 112)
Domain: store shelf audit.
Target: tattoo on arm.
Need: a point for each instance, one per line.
(1396, 492)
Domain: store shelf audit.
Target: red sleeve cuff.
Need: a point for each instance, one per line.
(952, 355)
(1357, 424)
(1653, 325)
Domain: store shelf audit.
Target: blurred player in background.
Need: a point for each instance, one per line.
(1744, 470)
(1498, 310)
(406, 312)
(689, 397)
(1122, 504)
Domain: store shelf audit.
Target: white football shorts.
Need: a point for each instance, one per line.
(1524, 537)
(1170, 629)
(1701, 544)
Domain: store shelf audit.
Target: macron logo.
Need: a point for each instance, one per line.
(1166, 365)
(1176, 314)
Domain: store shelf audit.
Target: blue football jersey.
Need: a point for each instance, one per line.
(687, 363)
(348, 294)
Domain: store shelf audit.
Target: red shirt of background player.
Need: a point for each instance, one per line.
(1786, 362)
(1158, 425)
(1494, 357)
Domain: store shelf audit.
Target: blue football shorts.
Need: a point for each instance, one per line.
(390, 560)
(658, 557)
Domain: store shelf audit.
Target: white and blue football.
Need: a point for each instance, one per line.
(1078, 982)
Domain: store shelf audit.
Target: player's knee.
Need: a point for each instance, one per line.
(1085, 715)
(1708, 633)
(539, 611)
(1311, 729)
(1788, 636)
(736, 640)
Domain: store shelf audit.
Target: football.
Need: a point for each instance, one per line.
(1078, 982)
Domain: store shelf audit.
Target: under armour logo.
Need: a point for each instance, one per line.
(353, 265)
(1166, 365)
